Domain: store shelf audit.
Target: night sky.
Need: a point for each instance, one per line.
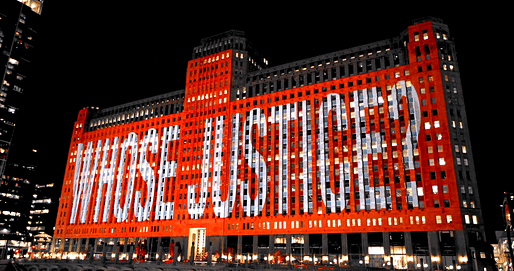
(104, 54)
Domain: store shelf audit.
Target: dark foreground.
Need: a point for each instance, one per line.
(78, 265)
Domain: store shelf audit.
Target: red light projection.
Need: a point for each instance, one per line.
(354, 154)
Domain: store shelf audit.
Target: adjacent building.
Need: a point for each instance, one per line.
(16, 194)
(360, 156)
(19, 25)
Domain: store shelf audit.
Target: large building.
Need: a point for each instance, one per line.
(16, 197)
(360, 155)
(19, 25)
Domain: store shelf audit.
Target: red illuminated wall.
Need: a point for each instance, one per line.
(382, 162)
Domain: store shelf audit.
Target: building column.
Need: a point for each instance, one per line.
(239, 246)
(271, 244)
(116, 250)
(104, 251)
(125, 244)
(324, 244)
(131, 251)
(288, 249)
(364, 247)
(184, 244)
(208, 248)
(461, 249)
(434, 249)
(387, 248)
(306, 245)
(409, 251)
(175, 253)
(90, 250)
(344, 248)
(159, 251)
(255, 248)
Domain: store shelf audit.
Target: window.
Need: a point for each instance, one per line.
(425, 34)
(442, 162)
(449, 219)
(438, 219)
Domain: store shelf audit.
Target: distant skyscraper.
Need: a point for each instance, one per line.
(19, 22)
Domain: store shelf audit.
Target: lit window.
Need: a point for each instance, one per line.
(434, 189)
(442, 162)
(466, 219)
(420, 191)
(475, 219)
(438, 219)
(449, 219)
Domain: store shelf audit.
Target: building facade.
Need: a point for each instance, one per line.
(16, 197)
(19, 24)
(28, 204)
(360, 156)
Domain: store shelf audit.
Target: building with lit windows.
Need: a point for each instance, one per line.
(16, 195)
(19, 23)
(357, 157)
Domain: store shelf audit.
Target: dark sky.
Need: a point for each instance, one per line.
(106, 53)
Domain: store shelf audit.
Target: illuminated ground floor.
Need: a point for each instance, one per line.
(433, 250)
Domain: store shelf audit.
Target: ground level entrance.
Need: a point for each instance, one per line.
(196, 244)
